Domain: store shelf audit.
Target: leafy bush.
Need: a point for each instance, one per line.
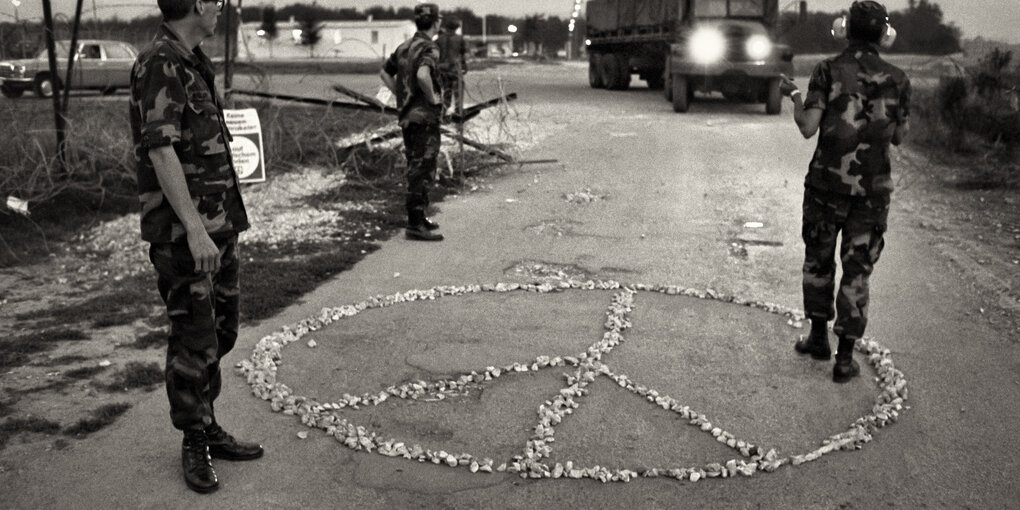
(976, 113)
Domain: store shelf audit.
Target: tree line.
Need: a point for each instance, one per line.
(921, 27)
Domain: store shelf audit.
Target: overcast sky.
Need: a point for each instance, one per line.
(992, 19)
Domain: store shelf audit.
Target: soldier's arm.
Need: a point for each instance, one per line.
(171, 180)
(807, 119)
(388, 71)
(388, 80)
(424, 76)
(161, 103)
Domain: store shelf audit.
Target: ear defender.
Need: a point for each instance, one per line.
(839, 28)
(889, 37)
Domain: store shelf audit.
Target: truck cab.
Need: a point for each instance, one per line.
(683, 46)
(727, 46)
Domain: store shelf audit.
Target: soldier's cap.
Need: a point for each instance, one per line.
(426, 12)
(868, 14)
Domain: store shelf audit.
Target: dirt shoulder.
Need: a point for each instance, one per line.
(975, 226)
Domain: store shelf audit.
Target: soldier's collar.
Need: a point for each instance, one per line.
(864, 46)
(167, 33)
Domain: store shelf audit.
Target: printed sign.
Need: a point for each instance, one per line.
(246, 149)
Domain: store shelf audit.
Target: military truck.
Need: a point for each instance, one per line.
(684, 46)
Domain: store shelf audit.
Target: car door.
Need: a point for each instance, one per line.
(119, 59)
(89, 69)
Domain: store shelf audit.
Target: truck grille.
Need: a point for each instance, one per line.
(736, 39)
(7, 71)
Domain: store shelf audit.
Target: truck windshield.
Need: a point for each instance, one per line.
(729, 8)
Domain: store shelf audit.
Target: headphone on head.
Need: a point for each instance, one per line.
(841, 25)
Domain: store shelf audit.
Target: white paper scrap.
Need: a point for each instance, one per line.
(17, 205)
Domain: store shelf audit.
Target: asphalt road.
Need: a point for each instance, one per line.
(673, 200)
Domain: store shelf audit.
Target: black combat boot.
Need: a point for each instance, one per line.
(224, 446)
(418, 230)
(430, 225)
(817, 343)
(846, 368)
(198, 470)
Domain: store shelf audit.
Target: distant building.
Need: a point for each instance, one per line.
(355, 40)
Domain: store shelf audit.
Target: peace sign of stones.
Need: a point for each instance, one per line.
(587, 367)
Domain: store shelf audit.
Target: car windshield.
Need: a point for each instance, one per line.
(729, 8)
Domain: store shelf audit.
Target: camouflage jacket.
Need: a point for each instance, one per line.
(452, 52)
(174, 102)
(403, 64)
(864, 99)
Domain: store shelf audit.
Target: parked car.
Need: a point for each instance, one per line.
(99, 65)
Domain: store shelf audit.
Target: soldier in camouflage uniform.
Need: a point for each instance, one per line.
(859, 104)
(191, 215)
(452, 63)
(412, 73)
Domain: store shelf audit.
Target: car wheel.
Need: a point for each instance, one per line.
(681, 94)
(774, 101)
(11, 92)
(44, 85)
(595, 71)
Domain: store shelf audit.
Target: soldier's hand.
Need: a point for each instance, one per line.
(786, 85)
(204, 251)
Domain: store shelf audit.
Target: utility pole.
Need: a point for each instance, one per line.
(228, 31)
(51, 50)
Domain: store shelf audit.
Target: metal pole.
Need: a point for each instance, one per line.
(70, 57)
(58, 116)
(460, 115)
(227, 81)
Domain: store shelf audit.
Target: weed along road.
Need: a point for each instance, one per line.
(480, 383)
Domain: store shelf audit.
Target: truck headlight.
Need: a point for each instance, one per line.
(707, 45)
(758, 47)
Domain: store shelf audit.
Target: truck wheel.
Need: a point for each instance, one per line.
(681, 94)
(11, 92)
(667, 81)
(608, 65)
(622, 72)
(774, 100)
(595, 71)
(44, 85)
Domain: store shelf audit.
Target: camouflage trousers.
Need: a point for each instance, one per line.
(862, 222)
(203, 313)
(421, 147)
(451, 89)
